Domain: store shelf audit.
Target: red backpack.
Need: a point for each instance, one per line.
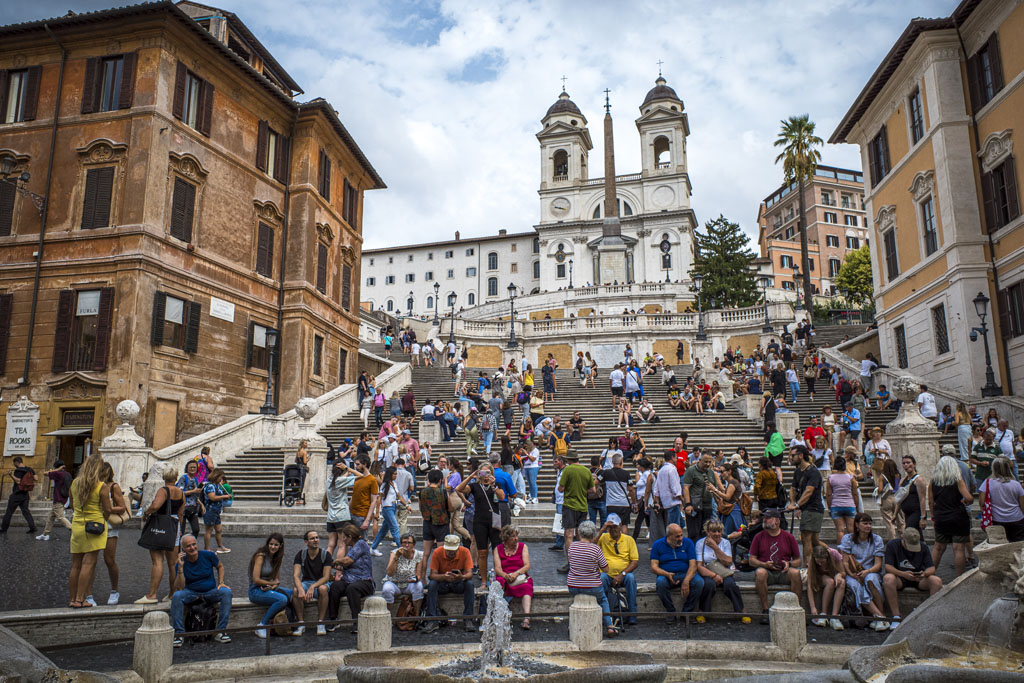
(28, 482)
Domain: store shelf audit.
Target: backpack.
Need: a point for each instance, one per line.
(596, 492)
(287, 615)
(406, 609)
(28, 482)
(746, 504)
(561, 447)
(845, 387)
(201, 615)
(65, 486)
(487, 424)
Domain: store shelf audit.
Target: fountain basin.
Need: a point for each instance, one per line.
(420, 667)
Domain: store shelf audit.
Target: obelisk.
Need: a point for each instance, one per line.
(611, 262)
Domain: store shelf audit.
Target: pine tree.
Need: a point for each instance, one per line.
(723, 257)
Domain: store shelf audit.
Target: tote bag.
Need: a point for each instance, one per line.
(161, 529)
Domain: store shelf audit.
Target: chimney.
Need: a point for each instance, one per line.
(502, 232)
(456, 235)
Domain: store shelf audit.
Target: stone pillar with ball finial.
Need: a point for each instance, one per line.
(911, 433)
(125, 449)
(316, 449)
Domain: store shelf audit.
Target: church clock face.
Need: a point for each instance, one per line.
(560, 207)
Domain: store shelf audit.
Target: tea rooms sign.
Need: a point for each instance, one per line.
(22, 423)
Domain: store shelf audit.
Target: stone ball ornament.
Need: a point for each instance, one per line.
(307, 408)
(906, 388)
(127, 410)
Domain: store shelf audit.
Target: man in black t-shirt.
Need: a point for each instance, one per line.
(19, 495)
(363, 447)
(619, 492)
(908, 564)
(805, 496)
(311, 572)
(577, 426)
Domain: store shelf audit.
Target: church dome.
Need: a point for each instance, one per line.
(563, 105)
(660, 91)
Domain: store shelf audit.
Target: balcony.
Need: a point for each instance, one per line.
(560, 178)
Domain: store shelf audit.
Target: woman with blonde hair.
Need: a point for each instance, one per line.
(90, 499)
(118, 507)
(1007, 499)
(169, 500)
(948, 498)
(962, 420)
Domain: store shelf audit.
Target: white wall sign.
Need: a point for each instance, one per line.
(225, 310)
(22, 424)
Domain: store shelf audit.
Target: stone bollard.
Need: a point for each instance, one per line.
(586, 622)
(910, 433)
(788, 626)
(430, 430)
(154, 647)
(374, 622)
(786, 424)
(751, 407)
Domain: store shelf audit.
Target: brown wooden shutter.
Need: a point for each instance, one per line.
(3, 93)
(195, 313)
(62, 332)
(974, 82)
(1002, 304)
(7, 196)
(156, 332)
(321, 268)
(178, 108)
(127, 94)
(6, 304)
(206, 108)
(249, 345)
(281, 159)
(261, 145)
(104, 325)
(988, 202)
(31, 93)
(320, 171)
(90, 85)
(995, 61)
(182, 208)
(886, 166)
(346, 286)
(327, 178)
(1010, 185)
(99, 184)
(873, 162)
(265, 250)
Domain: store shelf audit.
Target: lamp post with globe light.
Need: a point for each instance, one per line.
(268, 407)
(767, 329)
(698, 280)
(570, 274)
(451, 329)
(437, 304)
(512, 343)
(981, 308)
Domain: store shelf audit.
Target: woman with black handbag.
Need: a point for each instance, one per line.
(90, 499)
(161, 533)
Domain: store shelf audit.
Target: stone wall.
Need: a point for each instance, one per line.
(563, 355)
(746, 342)
(484, 356)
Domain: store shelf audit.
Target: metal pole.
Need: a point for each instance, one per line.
(451, 329)
(268, 407)
(701, 335)
(990, 388)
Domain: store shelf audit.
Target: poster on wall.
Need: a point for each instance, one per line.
(22, 426)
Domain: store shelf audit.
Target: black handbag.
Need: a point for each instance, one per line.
(95, 528)
(161, 529)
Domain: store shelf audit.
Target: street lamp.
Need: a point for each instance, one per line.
(846, 304)
(980, 307)
(437, 304)
(268, 407)
(7, 165)
(698, 280)
(512, 343)
(570, 274)
(796, 285)
(767, 329)
(410, 300)
(451, 330)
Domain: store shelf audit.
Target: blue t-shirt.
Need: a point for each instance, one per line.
(853, 416)
(201, 575)
(211, 505)
(504, 480)
(187, 483)
(674, 560)
(754, 387)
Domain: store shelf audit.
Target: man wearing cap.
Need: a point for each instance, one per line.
(674, 563)
(451, 571)
(775, 555)
(573, 484)
(623, 557)
(908, 564)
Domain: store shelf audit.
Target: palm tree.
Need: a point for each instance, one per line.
(799, 158)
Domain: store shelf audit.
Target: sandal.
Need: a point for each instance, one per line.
(75, 604)
(611, 632)
(526, 624)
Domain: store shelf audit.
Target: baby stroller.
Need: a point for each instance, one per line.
(291, 489)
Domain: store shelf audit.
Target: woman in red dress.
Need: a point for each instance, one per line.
(511, 565)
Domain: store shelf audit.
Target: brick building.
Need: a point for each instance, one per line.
(193, 205)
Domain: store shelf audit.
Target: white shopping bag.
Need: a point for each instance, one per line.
(556, 526)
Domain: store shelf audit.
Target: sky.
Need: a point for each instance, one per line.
(445, 98)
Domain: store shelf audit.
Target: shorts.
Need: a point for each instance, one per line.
(211, 517)
(485, 536)
(776, 460)
(854, 433)
(777, 578)
(810, 521)
(335, 527)
(307, 584)
(435, 532)
(946, 538)
(572, 518)
(837, 512)
(904, 583)
(617, 391)
(622, 512)
(111, 531)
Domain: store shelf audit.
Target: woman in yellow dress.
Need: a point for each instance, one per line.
(90, 498)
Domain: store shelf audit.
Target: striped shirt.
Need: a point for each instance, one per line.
(585, 564)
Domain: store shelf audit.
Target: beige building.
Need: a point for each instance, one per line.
(836, 224)
(936, 125)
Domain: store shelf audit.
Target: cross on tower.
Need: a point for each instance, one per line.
(607, 102)
(563, 83)
(659, 67)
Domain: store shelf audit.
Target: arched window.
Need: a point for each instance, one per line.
(492, 286)
(536, 245)
(471, 299)
(662, 153)
(561, 165)
(536, 270)
(430, 302)
(390, 305)
(625, 209)
(492, 261)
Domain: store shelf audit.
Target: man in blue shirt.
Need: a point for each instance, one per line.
(198, 575)
(674, 562)
(851, 423)
(504, 480)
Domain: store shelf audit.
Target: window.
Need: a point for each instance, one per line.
(175, 322)
(81, 339)
(513, 268)
(272, 152)
(850, 220)
(878, 156)
(536, 245)
(7, 196)
(259, 354)
(183, 203)
(471, 272)
(832, 241)
(410, 258)
(346, 286)
(834, 265)
(350, 207)
(109, 83)
(788, 285)
(985, 73)
(6, 304)
(826, 198)
(512, 247)
(492, 286)
(810, 264)
(891, 264)
(847, 201)
(916, 116)
(391, 259)
(19, 93)
(470, 251)
(99, 187)
(323, 175)
(999, 195)
(928, 224)
(193, 100)
(941, 332)
(561, 164)
(492, 261)
(536, 270)
(863, 220)
(789, 233)
(430, 256)
(449, 254)
(321, 268)
(371, 262)
(430, 302)
(1011, 311)
(410, 277)
(265, 250)
(371, 281)
(830, 217)
(852, 242)
(471, 299)
(560, 270)
(428, 276)
(342, 364)
(389, 279)
(900, 336)
(318, 355)
(390, 305)
(786, 261)
(451, 273)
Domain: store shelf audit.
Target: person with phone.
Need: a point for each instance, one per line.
(908, 564)
(775, 557)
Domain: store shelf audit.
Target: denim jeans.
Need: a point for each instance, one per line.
(629, 585)
(518, 481)
(664, 589)
(275, 599)
(447, 430)
(436, 588)
(181, 597)
(531, 480)
(734, 520)
(674, 515)
(794, 390)
(602, 600)
(488, 437)
(597, 509)
(390, 524)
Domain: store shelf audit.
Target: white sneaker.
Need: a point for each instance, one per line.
(321, 630)
(89, 599)
(43, 537)
(261, 633)
(114, 598)
(819, 621)
(299, 631)
(835, 624)
(879, 625)
(376, 553)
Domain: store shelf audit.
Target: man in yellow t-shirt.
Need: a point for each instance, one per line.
(622, 556)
